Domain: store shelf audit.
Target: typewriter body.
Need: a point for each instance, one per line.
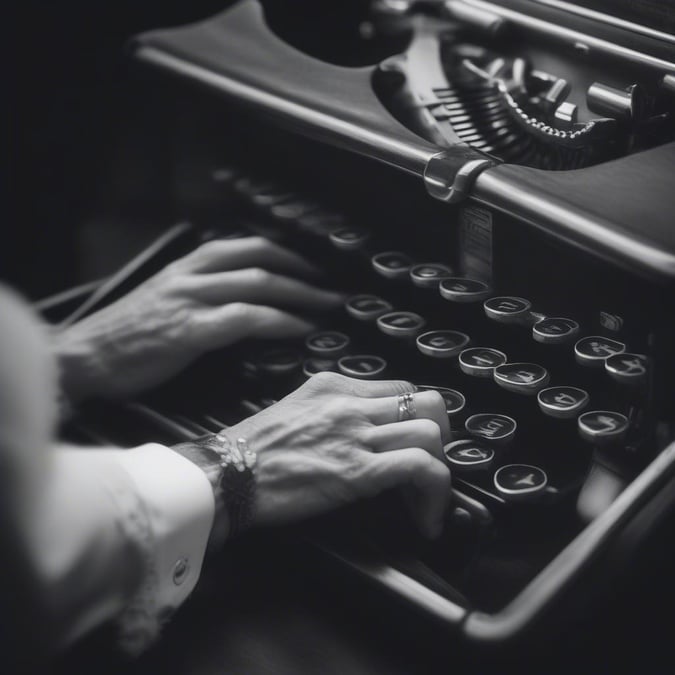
(492, 183)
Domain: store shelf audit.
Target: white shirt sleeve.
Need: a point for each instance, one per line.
(162, 507)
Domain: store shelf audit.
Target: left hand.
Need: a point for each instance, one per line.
(222, 292)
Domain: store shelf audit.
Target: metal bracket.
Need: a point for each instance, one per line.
(450, 175)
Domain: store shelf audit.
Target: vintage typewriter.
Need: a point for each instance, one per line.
(492, 183)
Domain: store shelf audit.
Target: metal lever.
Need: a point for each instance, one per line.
(450, 175)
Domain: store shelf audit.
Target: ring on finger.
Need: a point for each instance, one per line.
(406, 407)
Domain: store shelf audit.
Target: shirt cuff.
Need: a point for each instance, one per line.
(178, 507)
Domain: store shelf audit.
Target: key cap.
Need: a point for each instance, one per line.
(603, 427)
(594, 350)
(468, 455)
(555, 330)
(461, 289)
(315, 365)
(401, 324)
(520, 481)
(454, 400)
(429, 275)
(628, 368)
(363, 366)
(349, 238)
(492, 427)
(291, 211)
(507, 309)
(392, 264)
(480, 361)
(327, 343)
(279, 361)
(442, 344)
(521, 378)
(367, 307)
(562, 402)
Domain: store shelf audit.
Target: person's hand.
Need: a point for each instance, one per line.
(335, 440)
(222, 292)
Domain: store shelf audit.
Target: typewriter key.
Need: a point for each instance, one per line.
(349, 238)
(593, 351)
(468, 455)
(429, 275)
(520, 481)
(363, 366)
(522, 378)
(327, 343)
(603, 426)
(562, 402)
(392, 264)
(315, 365)
(555, 330)
(401, 324)
(507, 309)
(320, 223)
(454, 400)
(627, 368)
(480, 361)
(492, 427)
(367, 307)
(291, 211)
(459, 289)
(442, 344)
(270, 195)
(279, 361)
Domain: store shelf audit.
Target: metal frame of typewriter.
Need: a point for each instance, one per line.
(305, 97)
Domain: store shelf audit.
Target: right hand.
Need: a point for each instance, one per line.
(335, 440)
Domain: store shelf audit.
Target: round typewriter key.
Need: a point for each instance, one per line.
(507, 309)
(428, 275)
(363, 366)
(327, 343)
(349, 238)
(469, 455)
(280, 361)
(270, 195)
(562, 402)
(594, 350)
(248, 187)
(520, 481)
(392, 264)
(321, 223)
(401, 324)
(459, 289)
(454, 400)
(522, 378)
(480, 361)
(292, 210)
(603, 426)
(627, 368)
(442, 344)
(492, 427)
(367, 307)
(554, 330)
(315, 365)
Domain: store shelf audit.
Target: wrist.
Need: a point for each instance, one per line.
(79, 366)
(209, 462)
(230, 467)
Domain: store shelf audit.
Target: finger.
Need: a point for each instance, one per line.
(230, 323)
(259, 286)
(419, 433)
(428, 405)
(221, 255)
(335, 383)
(428, 479)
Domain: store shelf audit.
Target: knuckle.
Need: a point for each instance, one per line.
(327, 381)
(258, 276)
(428, 429)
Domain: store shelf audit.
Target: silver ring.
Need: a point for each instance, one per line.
(406, 407)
